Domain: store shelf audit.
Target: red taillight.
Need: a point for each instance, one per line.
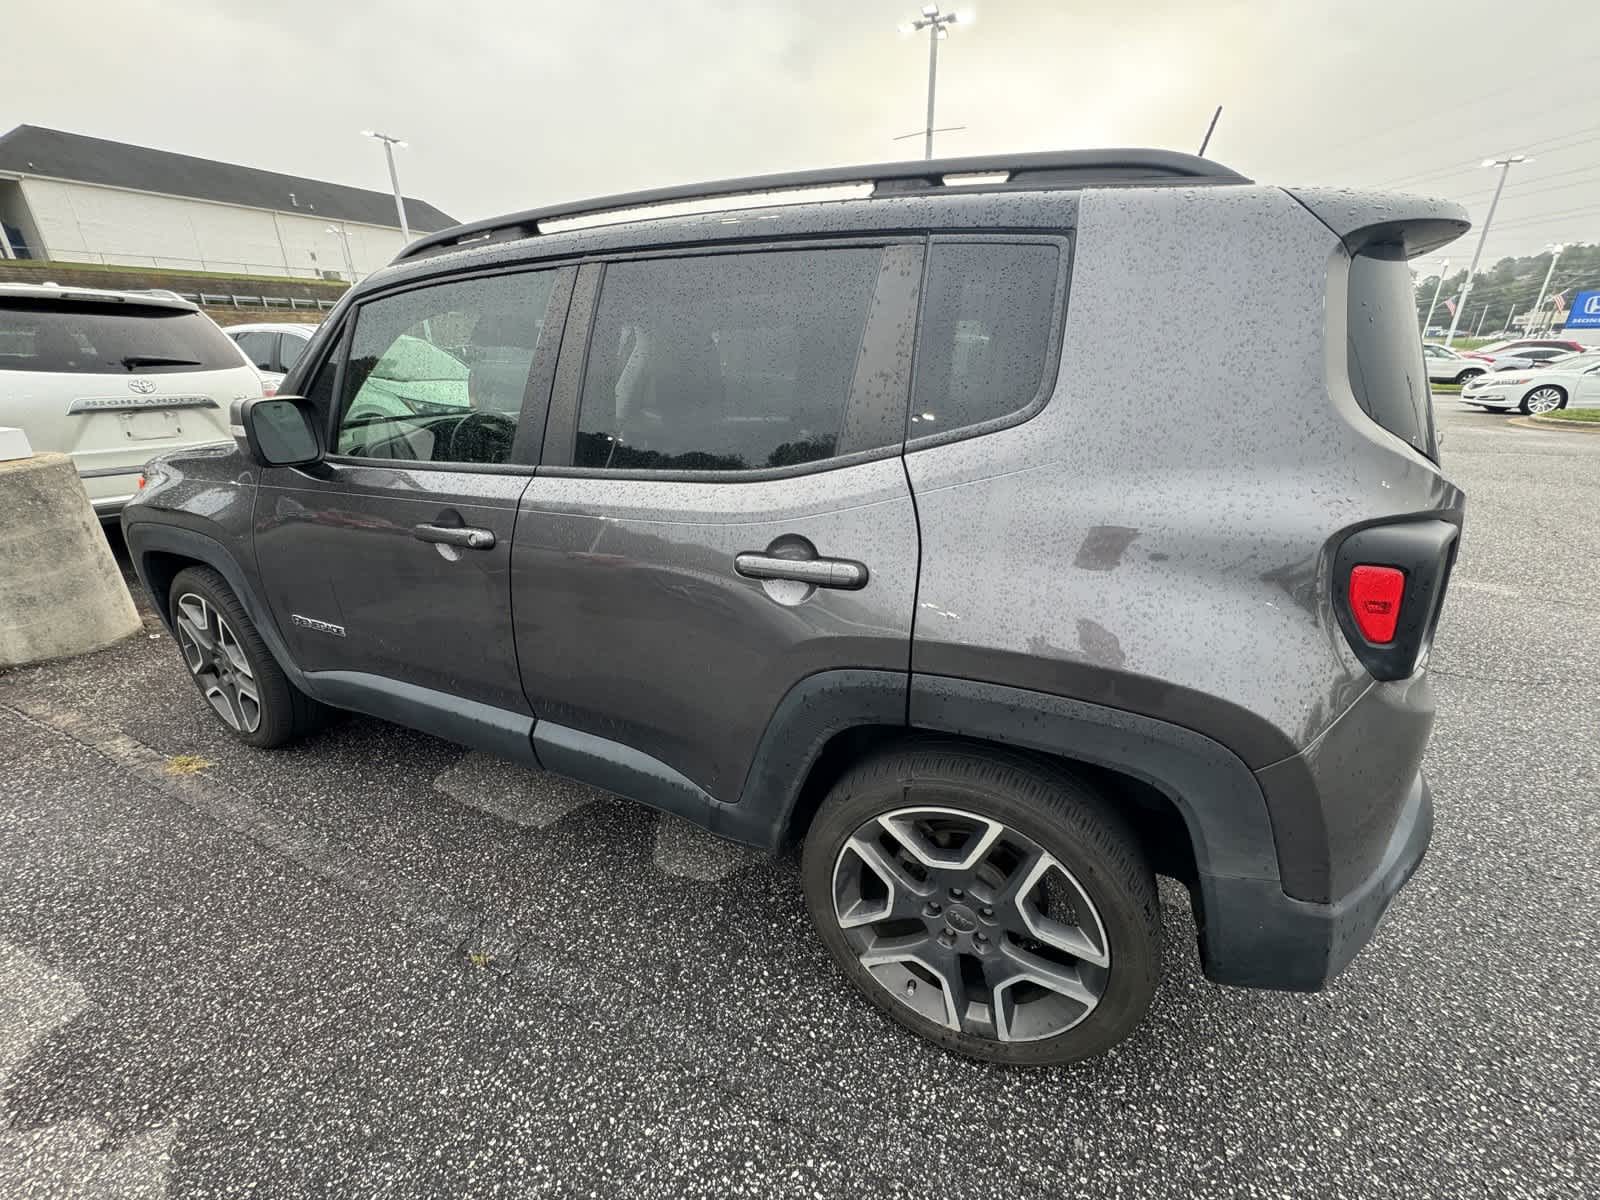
(1375, 600)
(141, 483)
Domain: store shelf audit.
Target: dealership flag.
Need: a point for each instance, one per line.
(1450, 307)
(1559, 300)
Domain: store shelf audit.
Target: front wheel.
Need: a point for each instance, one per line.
(995, 906)
(1466, 375)
(1545, 399)
(230, 664)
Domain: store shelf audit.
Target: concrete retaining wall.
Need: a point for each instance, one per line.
(60, 590)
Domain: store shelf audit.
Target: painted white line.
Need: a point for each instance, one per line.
(515, 794)
(1493, 589)
(686, 850)
(67, 1158)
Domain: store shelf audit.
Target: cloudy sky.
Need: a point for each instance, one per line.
(508, 105)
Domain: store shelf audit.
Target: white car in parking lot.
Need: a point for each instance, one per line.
(115, 378)
(1449, 366)
(272, 346)
(1569, 382)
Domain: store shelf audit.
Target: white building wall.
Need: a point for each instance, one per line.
(87, 223)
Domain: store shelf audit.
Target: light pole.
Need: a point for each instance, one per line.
(344, 237)
(1444, 270)
(1555, 253)
(1466, 289)
(389, 143)
(938, 26)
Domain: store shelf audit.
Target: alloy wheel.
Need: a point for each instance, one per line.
(218, 663)
(971, 924)
(1543, 400)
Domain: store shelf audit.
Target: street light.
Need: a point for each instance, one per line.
(344, 236)
(1428, 320)
(1555, 253)
(1466, 289)
(389, 143)
(938, 26)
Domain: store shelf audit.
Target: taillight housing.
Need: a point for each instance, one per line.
(1388, 586)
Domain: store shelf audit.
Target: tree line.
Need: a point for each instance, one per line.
(1511, 285)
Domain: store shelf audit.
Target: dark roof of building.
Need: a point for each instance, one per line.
(33, 150)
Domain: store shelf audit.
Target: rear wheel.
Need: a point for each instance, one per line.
(1471, 373)
(995, 906)
(237, 676)
(1544, 399)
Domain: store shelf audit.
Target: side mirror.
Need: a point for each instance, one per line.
(277, 431)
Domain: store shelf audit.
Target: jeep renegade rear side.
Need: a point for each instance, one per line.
(853, 522)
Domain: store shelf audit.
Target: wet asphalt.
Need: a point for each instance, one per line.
(375, 964)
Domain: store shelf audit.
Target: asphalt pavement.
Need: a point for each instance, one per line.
(375, 964)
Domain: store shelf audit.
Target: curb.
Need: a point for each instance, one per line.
(1536, 422)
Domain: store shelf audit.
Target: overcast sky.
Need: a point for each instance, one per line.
(515, 104)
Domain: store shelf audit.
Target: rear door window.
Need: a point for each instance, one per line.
(1383, 350)
(87, 338)
(987, 316)
(259, 346)
(724, 362)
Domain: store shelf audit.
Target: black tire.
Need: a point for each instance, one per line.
(1528, 410)
(285, 713)
(1061, 814)
(1466, 375)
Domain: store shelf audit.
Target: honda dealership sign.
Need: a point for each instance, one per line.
(1585, 311)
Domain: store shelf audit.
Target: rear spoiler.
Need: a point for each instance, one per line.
(1360, 218)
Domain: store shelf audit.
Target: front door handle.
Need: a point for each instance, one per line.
(818, 572)
(448, 535)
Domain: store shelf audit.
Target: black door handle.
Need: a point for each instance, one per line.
(465, 537)
(818, 572)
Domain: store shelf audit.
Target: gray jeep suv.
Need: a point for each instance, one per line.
(857, 523)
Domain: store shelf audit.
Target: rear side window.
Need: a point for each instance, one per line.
(986, 322)
(290, 349)
(1384, 352)
(78, 338)
(724, 362)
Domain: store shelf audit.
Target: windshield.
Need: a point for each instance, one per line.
(79, 338)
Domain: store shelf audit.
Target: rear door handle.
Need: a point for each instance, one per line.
(819, 572)
(448, 535)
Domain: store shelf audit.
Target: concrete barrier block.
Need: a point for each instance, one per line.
(60, 590)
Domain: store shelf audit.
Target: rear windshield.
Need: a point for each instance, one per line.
(1387, 373)
(76, 338)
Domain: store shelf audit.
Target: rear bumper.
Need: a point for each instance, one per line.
(110, 488)
(1254, 935)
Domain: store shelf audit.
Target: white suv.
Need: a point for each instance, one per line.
(115, 378)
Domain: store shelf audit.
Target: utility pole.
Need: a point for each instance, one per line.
(389, 143)
(1444, 270)
(1481, 316)
(1505, 169)
(938, 26)
(1555, 253)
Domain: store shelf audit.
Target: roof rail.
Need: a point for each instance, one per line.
(1021, 172)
